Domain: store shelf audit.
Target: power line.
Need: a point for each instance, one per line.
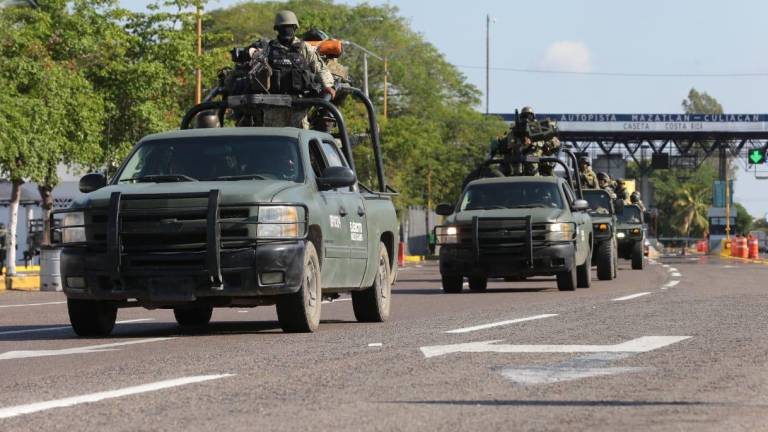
(623, 74)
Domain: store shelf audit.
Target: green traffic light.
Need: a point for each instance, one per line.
(756, 156)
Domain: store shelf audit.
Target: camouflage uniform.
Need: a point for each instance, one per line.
(588, 177)
(549, 147)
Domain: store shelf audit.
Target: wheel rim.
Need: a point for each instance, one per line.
(382, 281)
(310, 280)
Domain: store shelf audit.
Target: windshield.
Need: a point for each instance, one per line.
(215, 158)
(599, 202)
(631, 214)
(511, 195)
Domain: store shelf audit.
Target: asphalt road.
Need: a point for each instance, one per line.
(681, 345)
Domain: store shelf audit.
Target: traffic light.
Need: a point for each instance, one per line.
(756, 156)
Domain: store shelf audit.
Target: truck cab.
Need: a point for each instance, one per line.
(631, 235)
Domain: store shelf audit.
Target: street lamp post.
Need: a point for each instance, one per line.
(199, 51)
(366, 53)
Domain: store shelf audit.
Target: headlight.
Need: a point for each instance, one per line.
(620, 235)
(636, 231)
(447, 234)
(72, 228)
(278, 222)
(560, 232)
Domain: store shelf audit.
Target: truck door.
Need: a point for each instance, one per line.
(583, 226)
(353, 216)
(335, 246)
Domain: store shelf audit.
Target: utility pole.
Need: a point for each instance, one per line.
(365, 74)
(487, 61)
(199, 41)
(386, 81)
(727, 204)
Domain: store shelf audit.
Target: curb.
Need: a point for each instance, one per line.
(28, 282)
(749, 260)
(414, 258)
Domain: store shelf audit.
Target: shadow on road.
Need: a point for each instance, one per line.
(490, 291)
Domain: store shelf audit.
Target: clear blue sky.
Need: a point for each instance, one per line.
(651, 36)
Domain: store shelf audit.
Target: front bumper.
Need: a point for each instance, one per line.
(181, 277)
(548, 259)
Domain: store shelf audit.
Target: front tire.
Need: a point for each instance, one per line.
(478, 283)
(300, 312)
(452, 284)
(372, 304)
(566, 281)
(605, 261)
(637, 256)
(193, 316)
(91, 318)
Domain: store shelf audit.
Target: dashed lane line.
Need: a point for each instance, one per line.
(670, 284)
(498, 324)
(33, 304)
(58, 328)
(630, 297)
(18, 410)
(676, 274)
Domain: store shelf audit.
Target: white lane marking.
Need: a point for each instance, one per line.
(12, 355)
(641, 344)
(665, 265)
(419, 266)
(57, 328)
(500, 323)
(242, 311)
(33, 304)
(630, 297)
(671, 284)
(14, 411)
(729, 266)
(672, 269)
(375, 344)
(676, 274)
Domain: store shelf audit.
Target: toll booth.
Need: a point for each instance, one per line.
(717, 221)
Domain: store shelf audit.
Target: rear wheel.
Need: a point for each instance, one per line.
(605, 261)
(300, 311)
(584, 273)
(372, 304)
(478, 283)
(91, 318)
(637, 256)
(566, 281)
(452, 284)
(193, 316)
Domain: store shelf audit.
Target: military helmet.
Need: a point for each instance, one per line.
(315, 35)
(584, 161)
(603, 176)
(526, 112)
(285, 18)
(206, 119)
(634, 197)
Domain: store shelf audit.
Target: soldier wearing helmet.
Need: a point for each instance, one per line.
(296, 68)
(516, 144)
(620, 189)
(634, 198)
(207, 119)
(586, 175)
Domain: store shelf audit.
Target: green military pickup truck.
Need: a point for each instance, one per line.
(230, 217)
(515, 227)
(631, 235)
(604, 227)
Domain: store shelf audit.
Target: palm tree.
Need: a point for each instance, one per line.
(691, 208)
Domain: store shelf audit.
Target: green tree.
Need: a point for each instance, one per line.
(701, 103)
(744, 220)
(691, 209)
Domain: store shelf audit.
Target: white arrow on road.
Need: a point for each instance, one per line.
(578, 368)
(641, 344)
(11, 355)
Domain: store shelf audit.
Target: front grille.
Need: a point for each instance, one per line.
(172, 228)
(501, 236)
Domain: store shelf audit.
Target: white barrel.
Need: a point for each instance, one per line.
(50, 269)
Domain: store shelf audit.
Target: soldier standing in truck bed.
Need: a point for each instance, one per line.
(586, 175)
(296, 67)
(516, 145)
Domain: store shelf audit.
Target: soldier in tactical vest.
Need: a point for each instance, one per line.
(620, 189)
(604, 182)
(516, 145)
(296, 68)
(634, 198)
(586, 175)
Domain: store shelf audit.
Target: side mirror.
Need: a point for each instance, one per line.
(580, 205)
(91, 182)
(336, 177)
(444, 209)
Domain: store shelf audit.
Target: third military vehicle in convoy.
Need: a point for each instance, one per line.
(604, 228)
(515, 227)
(631, 235)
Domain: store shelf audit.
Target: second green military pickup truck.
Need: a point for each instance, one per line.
(230, 217)
(515, 227)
